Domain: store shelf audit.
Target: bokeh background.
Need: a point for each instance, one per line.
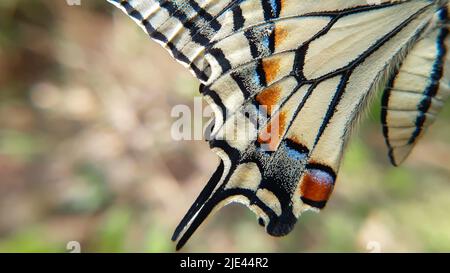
(86, 153)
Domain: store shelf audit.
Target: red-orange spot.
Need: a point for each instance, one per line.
(271, 68)
(272, 134)
(269, 97)
(316, 185)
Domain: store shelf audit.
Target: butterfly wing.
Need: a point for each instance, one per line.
(287, 81)
(417, 91)
(182, 27)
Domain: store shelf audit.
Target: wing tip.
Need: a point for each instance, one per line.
(196, 213)
(398, 155)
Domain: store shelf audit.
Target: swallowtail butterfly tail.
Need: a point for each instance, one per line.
(313, 65)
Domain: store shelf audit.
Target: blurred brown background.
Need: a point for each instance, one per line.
(86, 153)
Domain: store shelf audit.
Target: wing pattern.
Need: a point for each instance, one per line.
(417, 91)
(288, 80)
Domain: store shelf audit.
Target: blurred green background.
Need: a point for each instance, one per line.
(86, 153)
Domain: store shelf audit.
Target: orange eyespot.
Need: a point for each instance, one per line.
(316, 187)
